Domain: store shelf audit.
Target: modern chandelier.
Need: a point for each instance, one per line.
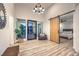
(38, 9)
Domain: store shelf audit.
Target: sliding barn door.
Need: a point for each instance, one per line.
(54, 29)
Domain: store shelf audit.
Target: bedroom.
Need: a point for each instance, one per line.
(66, 27)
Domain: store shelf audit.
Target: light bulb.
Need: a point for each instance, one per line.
(33, 10)
(43, 9)
(36, 8)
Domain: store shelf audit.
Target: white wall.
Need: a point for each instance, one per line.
(66, 25)
(54, 10)
(46, 28)
(7, 34)
(76, 29)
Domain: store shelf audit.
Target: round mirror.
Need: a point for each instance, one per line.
(2, 16)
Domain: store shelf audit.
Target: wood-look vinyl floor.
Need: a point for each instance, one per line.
(47, 48)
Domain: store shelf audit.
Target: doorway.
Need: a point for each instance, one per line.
(66, 28)
(31, 29)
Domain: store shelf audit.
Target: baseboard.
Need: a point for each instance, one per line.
(76, 50)
(3, 49)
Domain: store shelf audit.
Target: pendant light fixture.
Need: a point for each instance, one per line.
(38, 9)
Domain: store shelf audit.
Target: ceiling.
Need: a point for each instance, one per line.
(45, 5)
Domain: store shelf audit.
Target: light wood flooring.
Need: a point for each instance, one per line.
(46, 48)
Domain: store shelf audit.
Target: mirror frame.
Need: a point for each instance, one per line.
(2, 21)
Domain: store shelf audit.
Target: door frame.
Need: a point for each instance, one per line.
(72, 11)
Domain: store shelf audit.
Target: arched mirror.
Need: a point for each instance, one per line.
(2, 16)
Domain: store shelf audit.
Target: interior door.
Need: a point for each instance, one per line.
(54, 29)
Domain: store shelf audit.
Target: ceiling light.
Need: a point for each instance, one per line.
(38, 9)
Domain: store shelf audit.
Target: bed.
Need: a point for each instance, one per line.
(67, 34)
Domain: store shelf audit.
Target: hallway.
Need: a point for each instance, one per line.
(46, 48)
